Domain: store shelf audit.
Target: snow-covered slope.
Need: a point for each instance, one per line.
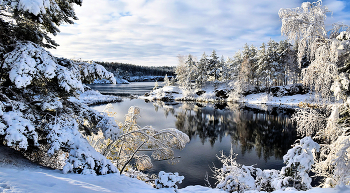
(18, 174)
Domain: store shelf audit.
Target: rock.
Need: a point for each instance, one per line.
(221, 94)
(200, 92)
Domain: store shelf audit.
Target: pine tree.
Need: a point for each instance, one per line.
(225, 72)
(40, 113)
(202, 76)
(34, 20)
(213, 69)
(262, 65)
(166, 80)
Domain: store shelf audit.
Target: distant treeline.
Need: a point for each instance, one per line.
(128, 70)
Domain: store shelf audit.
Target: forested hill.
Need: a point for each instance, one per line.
(127, 70)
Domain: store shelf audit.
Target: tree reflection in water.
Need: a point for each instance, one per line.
(269, 133)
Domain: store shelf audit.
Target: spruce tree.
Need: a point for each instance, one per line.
(34, 20)
(41, 114)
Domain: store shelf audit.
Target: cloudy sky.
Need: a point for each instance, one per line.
(155, 32)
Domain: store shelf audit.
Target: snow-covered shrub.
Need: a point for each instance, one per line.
(133, 139)
(265, 179)
(18, 130)
(172, 81)
(341, 161)
(166, 80)
(233, 176)
(168, 180)
(155, 85)
(299, 160)
(309, 121)
(344, 35)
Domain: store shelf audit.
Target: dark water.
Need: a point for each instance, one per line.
(134, 88)
(260, 138)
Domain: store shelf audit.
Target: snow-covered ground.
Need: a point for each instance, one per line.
(282, 101)
(92, 97)
(209, 95)
(17, 174)
(118, 80)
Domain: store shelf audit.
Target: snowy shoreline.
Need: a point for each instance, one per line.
(259, 100)
(17, 174)
(94, 97)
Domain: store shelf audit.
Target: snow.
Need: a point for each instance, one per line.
(263, 98)
(92, 97)
(34, 6)
(209, 95)
(17, 174)
(118, 80)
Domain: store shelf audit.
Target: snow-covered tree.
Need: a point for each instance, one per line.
(155, 85)
(39, 110)
(328, 76)
(233, 176)
(288, 69)
(299, 160)
(225, 71)
(213, 68)
(304, 25)
(134, 139)
(186, 72)
(168, 180)
(34, 20)
(309, 121)
(172, 81)
(262, 63)
(246, 78)
(40, 114)
(202, 75)
(166, 80)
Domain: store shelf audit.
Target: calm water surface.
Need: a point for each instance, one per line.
(259, 138)
(134, 88)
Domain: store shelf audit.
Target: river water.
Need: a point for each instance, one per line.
(259, 138)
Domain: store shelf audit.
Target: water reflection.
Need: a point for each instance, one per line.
(259, 137)
(270, 133)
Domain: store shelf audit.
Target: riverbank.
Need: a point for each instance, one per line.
(94, 97)
(20, 175)
(222, 94)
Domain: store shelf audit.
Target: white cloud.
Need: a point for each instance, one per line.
(154, 32)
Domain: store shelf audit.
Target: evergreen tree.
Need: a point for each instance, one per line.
(225, 72)
(262, 65)
(248, 65)
(166, 80)
(272, 62)
(202, 76)
(34, 20)
(213, 69)
(40, 113)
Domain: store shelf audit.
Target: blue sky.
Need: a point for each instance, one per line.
(155, 32)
